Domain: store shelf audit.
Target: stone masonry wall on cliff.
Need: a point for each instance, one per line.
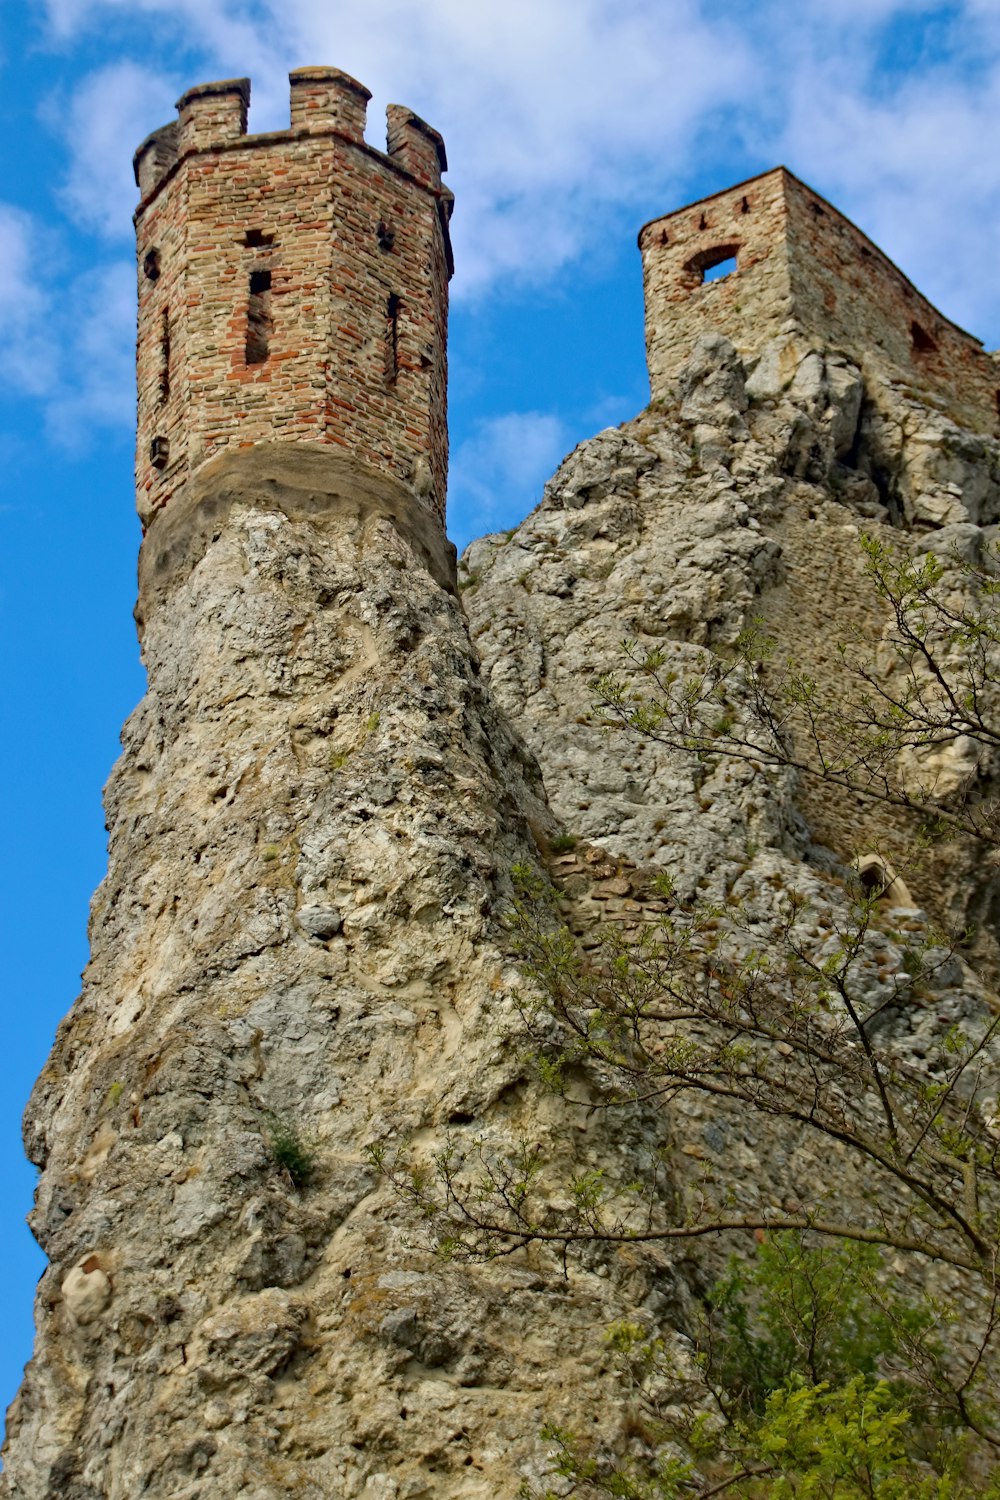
(292, 286)
(802, 268)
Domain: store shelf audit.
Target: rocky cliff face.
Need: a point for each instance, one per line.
(311, 829)
(744, 499)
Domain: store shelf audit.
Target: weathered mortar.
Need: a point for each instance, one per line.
(292, 286)
(803, 268)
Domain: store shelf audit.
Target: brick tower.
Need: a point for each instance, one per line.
(293, 287)
(786, 262)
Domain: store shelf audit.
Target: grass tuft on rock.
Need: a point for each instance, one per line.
(295, 1156)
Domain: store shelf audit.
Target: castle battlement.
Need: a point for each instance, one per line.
(292, 286)
(793, 265)
(212, 116)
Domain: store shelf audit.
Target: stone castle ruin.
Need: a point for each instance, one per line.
(803, 270)
(341, 756)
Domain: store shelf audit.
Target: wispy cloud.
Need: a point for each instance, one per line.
(565, 116)
(30, 353)
(211, 24)
(106, 119)
(910, 168)
(550, 111)
(67, 344)
(95, 389)
(498, 472)
(567, 121)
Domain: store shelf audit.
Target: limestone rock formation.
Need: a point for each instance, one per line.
(744, 498)
(300, 952)
(310, 831)
(311, 827)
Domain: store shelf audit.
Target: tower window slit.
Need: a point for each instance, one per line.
(164, 356)
(259, 320)
(392, 308)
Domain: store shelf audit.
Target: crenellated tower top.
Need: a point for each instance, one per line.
(293, 286)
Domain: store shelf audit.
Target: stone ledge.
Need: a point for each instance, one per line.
(325, 488)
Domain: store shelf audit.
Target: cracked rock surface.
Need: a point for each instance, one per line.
(301, 934)
(743, 502)
(311, 827)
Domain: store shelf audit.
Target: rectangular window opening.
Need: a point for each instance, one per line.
(259, 322)
(720, 269)
(392, 308)
(921, 339)
(164, 356)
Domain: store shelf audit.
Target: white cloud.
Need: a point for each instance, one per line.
(551, 111)
(563, 117)
(557, 113)
(108, 116)
(96, 386)
(910, 164)
(68, 345)
(30, 354)
(498, 472)
(210, 21)
(568, 120)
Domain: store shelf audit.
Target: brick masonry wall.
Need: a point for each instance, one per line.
(292, 287)
(803, 268)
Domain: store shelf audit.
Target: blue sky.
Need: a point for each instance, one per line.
(568, 123)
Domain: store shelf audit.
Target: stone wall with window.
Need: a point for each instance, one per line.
(797, 267)
(748, 222)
